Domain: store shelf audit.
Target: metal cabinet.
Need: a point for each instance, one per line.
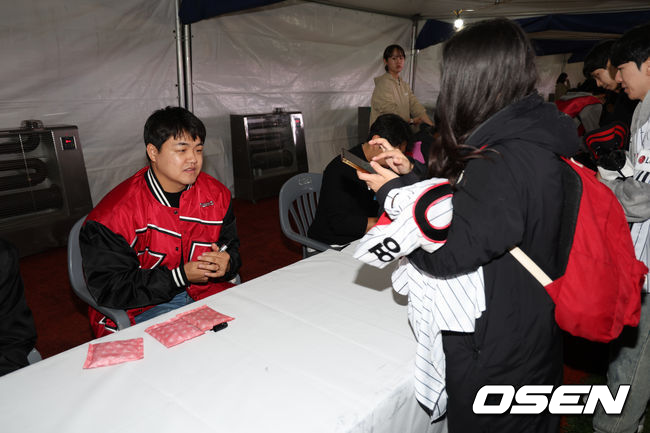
(43, 185)
(267, 150)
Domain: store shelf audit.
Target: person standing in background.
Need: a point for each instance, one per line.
(394, 96)
(562, 85)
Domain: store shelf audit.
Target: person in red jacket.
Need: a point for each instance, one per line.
(164, 237)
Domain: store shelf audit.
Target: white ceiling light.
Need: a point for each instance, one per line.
(458, 23)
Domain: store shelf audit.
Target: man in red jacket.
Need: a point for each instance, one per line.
(165, 236)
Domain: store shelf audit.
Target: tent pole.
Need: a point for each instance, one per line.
(180, 77)
(187, 63)
(414, 33)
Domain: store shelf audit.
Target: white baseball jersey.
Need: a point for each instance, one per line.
(640, 152)
(418, 216)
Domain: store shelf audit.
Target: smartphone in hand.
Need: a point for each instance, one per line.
(355, 162)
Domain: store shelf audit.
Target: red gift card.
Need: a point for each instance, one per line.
(114, 352)
(173, 331)
(204, 318)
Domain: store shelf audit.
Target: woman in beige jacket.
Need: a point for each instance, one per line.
(393, 95)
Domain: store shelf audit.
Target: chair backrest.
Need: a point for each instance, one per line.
(34, 356)
(78, 281)
(297, 202)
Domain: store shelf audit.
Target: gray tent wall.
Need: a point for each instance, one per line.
(105, 66)
(101, 65)
(308, 57)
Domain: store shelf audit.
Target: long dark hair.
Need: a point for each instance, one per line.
(485, 67)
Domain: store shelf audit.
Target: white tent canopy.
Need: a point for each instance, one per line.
(106, 65)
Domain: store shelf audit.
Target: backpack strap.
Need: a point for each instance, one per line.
(530, 266)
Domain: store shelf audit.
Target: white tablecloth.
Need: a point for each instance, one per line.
(322, 345)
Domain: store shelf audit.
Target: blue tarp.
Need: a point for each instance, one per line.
(192, 11)
(434, 31)
(609, 22)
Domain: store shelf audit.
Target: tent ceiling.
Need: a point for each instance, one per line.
(555, 33)
(437, 9)
(481, 9)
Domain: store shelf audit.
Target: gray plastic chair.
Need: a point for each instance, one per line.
(34, 356)
(78, 281)
(297, 202)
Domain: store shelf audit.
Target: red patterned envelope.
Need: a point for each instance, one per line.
(114, 352)
(173, 331)
(204, 317)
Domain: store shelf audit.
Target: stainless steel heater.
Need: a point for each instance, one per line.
(267, 149)
(43, 185)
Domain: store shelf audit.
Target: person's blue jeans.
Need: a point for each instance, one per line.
(177, 301)
(629, 365)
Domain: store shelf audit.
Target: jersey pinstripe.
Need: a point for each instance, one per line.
(418, 216)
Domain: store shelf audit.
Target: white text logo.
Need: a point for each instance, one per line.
(534, 399)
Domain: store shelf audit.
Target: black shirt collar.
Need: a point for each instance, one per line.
(169, 199)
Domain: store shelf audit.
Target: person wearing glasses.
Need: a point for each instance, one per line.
(392, 95)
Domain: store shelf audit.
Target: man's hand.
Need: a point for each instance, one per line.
(391, 157)
(211, 264)
(196, 272)
(216, 261)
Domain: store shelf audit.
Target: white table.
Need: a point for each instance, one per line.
(322, 345)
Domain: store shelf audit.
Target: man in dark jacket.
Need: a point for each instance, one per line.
(347, 209)
(17, 331)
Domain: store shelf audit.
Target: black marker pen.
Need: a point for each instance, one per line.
(220, 326)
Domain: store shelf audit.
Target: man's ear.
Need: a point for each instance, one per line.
(647, 66)
(152, 152)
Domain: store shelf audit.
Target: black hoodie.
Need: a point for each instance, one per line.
(511, 196)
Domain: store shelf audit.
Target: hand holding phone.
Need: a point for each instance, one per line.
(355, 162)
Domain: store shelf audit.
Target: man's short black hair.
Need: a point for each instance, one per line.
(597, 57)
(633, 46)
(172, 122)
(391, 127)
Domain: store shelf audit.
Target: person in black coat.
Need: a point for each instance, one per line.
(499, 146)
(17, 330)
(347, 208)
